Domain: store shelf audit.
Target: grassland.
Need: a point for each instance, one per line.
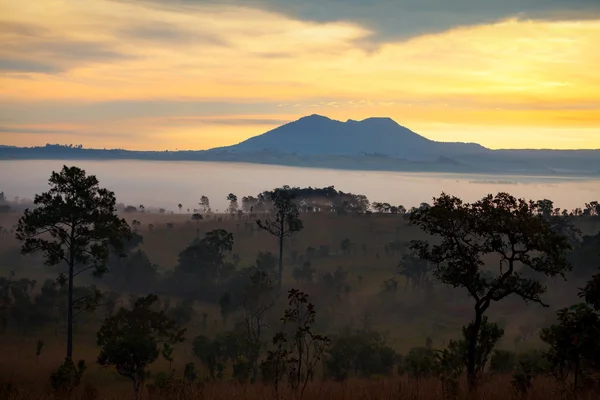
(405, 318)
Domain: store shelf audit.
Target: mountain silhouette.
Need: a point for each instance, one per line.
(318, 135)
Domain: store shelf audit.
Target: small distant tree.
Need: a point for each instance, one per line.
(162, 210)
(180, 206)
(504, 226)
(233, 204)
(74, 223)
(135, 225)
(130, 209)
(284, 223)
(346, 245)
(130, 339)
(197, 217)
(189, 372)
(204, 204)
(227, 306)
(141, 208)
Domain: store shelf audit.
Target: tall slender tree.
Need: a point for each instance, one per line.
(284, 222)
(75, 223)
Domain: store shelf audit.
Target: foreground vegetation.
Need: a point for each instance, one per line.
(297, 293)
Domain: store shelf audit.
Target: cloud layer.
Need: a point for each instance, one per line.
(199, 73)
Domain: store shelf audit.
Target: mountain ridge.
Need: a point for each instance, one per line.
(319, 135)
(376, 143)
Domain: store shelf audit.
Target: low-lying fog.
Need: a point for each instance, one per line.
(166, 184)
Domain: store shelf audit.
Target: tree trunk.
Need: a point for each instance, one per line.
(280, 277)
(70, 315)
(472, 350)
(254, 370)
(136, 389)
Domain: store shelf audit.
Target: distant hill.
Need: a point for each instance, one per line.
(371, 144)
(318, 135)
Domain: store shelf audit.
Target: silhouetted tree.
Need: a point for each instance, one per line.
(135, 225)
(204, 204)
(180, 206)
(258, 298)
(233, 204)
(507, 227)
(130, 340)
(75, 222)
(284, 223)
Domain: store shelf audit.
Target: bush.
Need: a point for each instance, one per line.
(67, 377)
(361, 354)
(503, 361)
(420, 362)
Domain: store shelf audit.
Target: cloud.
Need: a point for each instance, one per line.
(9, 129)
(81, 133)
(232, 121)
(393, 19)
(153, 31)
(16, 65)
(53, 112)
(142, 66)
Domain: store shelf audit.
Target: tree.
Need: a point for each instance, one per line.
(135, 225)
(233, 204)
(574, 344)
(130, 339)
(509, 228)
(414, 269)
(284, 223)
(362, 353)
(301, 355)
(258, 298)
(345, 245)
(197, 217)
(75, 223)
(141, 208)
(180, 206)
(205, 258)
(204, 204)
(574, 340)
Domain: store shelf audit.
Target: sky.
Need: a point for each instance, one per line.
(197, 74)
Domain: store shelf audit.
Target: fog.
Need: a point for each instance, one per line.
(166, 184)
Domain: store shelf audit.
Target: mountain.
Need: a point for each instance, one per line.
(318, 135)
(371, 144)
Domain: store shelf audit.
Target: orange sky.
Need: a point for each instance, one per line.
(138, 75)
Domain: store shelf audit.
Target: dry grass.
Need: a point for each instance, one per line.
(396, 388)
